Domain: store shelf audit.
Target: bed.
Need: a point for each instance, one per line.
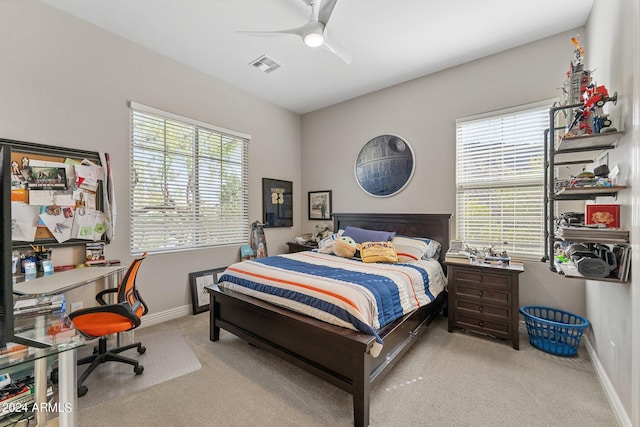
(341, 356)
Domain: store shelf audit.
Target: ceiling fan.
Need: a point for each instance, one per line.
(314, 32)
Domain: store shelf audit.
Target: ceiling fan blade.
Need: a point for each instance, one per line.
(338, 50)
(315, 9)
(295, 31)
(325, 10)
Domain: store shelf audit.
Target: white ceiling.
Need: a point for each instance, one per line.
(391, 41)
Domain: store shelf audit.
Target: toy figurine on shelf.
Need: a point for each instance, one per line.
(588, 97)
(577, 78)
(578, 63)
(590, 118)
(488, 255)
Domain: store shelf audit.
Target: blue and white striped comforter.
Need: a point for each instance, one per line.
(344, 292)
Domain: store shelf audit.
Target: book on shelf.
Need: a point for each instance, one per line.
(38, 305)
(25, 390)
(623, 258)
(13, 352)
(596, 234)
(12, 348)
(457, 254)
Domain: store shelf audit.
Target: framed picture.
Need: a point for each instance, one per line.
(277, 203)
(609, 215)
(199, 294)
(320, 204)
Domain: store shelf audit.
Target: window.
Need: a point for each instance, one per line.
(188, 183)
(500, 180)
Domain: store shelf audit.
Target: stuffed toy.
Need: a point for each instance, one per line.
(325, 246)
(378, 252)
(344, 247)
(321, 231)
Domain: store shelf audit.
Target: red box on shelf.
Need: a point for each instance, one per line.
(609, 215)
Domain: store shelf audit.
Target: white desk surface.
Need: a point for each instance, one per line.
(63, 281)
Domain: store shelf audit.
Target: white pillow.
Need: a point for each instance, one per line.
(411, 249)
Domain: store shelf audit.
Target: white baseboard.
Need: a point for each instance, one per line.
(609, 390)
(616, 405)
(174, 313)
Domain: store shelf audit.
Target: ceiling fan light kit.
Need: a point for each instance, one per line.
(313, 40)
(313, 33)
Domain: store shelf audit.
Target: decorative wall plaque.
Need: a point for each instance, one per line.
(384, 166)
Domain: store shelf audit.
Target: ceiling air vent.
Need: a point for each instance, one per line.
(266, 64)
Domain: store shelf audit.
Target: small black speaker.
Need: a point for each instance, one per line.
(602, 170)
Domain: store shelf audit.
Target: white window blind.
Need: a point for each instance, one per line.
(189, 183)
(500, 180)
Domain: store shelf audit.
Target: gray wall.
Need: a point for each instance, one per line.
(611, 49)
(423, 111)
(65, 82)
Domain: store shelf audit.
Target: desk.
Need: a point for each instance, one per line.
(63, 281)
(58, 283)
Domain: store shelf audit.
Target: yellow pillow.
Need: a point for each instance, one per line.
(378, 252)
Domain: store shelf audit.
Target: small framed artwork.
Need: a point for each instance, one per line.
(320, 204)
(607, 215)
(277, 203)
(198, 282)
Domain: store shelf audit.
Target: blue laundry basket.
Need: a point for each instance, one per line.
(554, 331)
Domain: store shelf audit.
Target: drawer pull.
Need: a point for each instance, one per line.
(481, 324)
(481, 293)
(480, 278)
(481, 308)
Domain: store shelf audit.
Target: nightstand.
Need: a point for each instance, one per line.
(483, 298)
(299, 247)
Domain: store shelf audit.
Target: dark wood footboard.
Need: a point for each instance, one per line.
(337, 355)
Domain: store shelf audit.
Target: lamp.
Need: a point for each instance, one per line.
(314, 37)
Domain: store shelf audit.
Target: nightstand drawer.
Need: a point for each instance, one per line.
(483, 311)
(480, 295)
(482, 278)
(497, 329)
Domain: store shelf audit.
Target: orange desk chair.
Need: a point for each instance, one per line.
(107, 319)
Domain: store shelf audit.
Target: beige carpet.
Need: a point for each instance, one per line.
(168, 356)
(446, 379)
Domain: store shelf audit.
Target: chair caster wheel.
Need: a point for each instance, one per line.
(82, 390)
(142, 349)
(138, 369)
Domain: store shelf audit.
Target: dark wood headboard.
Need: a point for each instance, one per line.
(432, 226)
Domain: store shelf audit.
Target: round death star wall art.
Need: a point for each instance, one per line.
(384, 166)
